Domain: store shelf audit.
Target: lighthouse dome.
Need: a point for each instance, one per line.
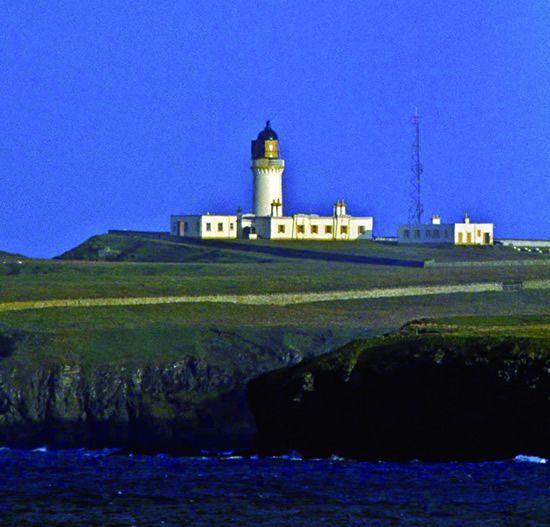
(267, 134)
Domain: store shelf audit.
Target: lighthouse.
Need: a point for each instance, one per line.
(267, 220)
(267, 169)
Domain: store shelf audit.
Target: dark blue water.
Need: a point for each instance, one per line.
(102, 488)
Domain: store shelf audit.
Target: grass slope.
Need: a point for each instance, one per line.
(41, 280)
(164, 248)
(118, 248)
(166, 332)
(438, 253)
(161, 333)
(6, 257)
(535, 327)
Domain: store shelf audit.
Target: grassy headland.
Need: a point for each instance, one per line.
(156, 331)
(174, 375)
(203, 269)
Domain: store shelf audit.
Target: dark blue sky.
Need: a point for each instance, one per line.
(115, 114)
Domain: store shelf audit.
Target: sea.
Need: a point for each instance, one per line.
(108, 488)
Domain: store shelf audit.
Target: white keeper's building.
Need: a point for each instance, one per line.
(465, 233)
(268, 220)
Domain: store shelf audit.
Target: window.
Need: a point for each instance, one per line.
(328, 229)
(486, 238)
(300, 229)
(231, 226)
(361, 229)
(417, 234)
(220, 227)
(406, 234)
(198, 225)
(446, 233)
(314, 229)
(469, 237)
(460, 237)
(428, 234)
(436, 234)
(280, 229)
(208, 226)
(479, 233)
(344, 229)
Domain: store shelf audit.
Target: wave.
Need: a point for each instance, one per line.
(292, 456)
(211, 455)
(102, 453)
(522, 458)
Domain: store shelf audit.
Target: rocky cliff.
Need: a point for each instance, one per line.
(182, 406)
(407, 396)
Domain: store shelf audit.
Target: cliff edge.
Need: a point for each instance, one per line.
(434, 391)
(181, 402)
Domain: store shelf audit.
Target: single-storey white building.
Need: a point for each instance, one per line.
(465, 233)
(207, 226)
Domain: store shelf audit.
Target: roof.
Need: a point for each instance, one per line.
(268, 134)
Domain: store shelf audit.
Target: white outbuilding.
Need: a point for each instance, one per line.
(465, 233)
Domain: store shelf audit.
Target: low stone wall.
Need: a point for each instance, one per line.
(157, 235)
(517, 242)
(274, 299)
(491, 263)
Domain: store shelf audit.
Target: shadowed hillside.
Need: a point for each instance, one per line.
(131, 246)
(10, 257)
(117, 248)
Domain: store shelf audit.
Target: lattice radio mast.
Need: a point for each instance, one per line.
(416, 209)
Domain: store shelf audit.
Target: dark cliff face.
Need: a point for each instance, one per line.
(183, 406)
(407, 397)
(145, 408)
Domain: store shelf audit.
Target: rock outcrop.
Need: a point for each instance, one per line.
(180, 406)
(406, 396)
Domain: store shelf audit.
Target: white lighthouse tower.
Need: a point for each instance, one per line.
(267, 168)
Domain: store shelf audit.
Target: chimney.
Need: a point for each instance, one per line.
(343, 208)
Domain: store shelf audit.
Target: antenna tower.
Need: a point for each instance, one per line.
(416, 209)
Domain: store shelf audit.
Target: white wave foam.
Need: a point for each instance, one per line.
(41, 449)
(293, 456)
(530, 459)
